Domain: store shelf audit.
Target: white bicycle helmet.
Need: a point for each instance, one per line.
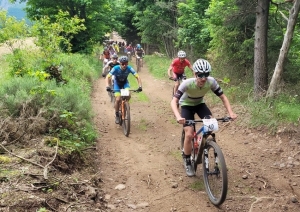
(181, 54)
(201, 66)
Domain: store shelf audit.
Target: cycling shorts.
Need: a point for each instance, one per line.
(120, 85)
(188, 112)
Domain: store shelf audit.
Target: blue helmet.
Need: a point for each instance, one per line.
(138, 46)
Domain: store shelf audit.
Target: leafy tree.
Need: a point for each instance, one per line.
(231, 26)
(11, 30)
(192, 32)
(294, 12)
(97, 16)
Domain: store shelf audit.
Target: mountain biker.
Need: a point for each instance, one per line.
(177, 67)
(112, 63)
(116, 47)
(139, 52)
(129, 50)
(111, 49)
(190, 96)
(120, 81)
(105, 56)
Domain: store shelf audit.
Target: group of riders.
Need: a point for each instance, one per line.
(189, 94)
(111, 51)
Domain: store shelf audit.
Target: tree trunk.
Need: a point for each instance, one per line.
(260, 49)
(275, 81)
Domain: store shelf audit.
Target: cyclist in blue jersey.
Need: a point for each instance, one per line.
(190, 96)
(120, 81)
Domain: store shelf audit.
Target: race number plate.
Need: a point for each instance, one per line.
(210, 125)
(124, 92)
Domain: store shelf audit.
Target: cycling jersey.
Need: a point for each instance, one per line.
(179, 66)
(121, 75)
(129, 49)
(139, 52)
(189, 94)
(111, 64)
(106, 54)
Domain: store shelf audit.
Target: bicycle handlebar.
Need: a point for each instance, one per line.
(113, 91)
(223, 119)
(177, 79)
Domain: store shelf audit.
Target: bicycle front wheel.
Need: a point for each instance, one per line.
(182, 142)
(126, 119)
(214, 173)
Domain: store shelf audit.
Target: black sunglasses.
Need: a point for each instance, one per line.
(202, 75)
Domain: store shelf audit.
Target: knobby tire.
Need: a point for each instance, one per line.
(126, 120)
(215, 177)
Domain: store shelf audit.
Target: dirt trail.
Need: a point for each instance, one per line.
(149, 164)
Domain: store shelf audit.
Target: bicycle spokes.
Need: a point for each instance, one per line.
(215, 173)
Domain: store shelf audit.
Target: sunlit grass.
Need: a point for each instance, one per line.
(141, 96)
(176, 154)
(158, 66)
(197, 185)
(3, 68)
(142, 125)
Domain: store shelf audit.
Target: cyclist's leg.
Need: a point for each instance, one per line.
(187, 112)
(117, 96)
(176, 79)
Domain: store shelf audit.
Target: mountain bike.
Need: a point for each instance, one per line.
(139, 63)
(205, 150)
(129, 55)
(124, 110)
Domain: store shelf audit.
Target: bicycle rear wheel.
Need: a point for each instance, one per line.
(214, 173)
(126, 120)
(138, 65)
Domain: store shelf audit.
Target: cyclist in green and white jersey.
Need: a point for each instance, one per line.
(190, 96)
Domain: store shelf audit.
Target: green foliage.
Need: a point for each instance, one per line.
(192, 30)
(98, 16)
(67, 108)
(232, 32)
(141, 96)
(11, 29)
(53, 37)
(158, 66)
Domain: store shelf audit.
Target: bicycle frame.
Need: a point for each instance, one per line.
(124, 112)
(214, 166)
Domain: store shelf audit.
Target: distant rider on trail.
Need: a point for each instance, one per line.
(176, 69)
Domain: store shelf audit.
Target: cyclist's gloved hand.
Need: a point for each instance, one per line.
(139, 89)
(108, 88)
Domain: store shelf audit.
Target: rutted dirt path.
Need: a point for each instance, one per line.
(263, 171)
